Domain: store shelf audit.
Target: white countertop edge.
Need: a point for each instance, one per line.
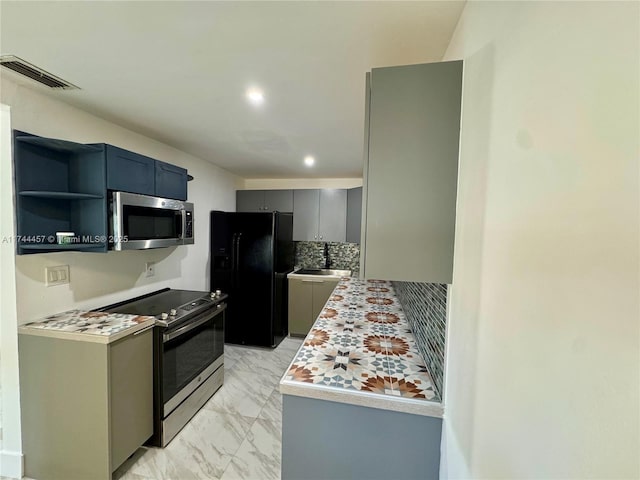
(82, 336)
(363, 399)
(315, 277)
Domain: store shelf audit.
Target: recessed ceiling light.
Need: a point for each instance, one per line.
(255, 96)
(309, 160)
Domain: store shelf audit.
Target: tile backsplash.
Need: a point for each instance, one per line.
(343, 256)
(425, 305)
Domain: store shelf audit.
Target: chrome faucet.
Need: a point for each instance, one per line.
(327, 260)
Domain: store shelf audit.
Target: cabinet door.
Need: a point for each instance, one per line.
(354, 214)
(332, 215)
(305, 215)
(321, 292)
(412, 172)
(171, 181)
(131, 394)
(130, 172)
(278, 200)
(300, 306)
(249, 200)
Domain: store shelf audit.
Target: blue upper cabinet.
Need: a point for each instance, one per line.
(130, 172)
(60, 187)
(171, 181)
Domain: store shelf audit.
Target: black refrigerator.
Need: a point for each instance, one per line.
(251, 255)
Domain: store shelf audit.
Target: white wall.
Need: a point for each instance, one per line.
(100, 278)
(10, 438)
(96, 278)
(294, 183)
(543, 363)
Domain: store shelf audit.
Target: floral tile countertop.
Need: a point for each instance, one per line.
(361, 351)
(100, 327)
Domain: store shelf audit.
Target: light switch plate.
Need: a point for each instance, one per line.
(58, 275)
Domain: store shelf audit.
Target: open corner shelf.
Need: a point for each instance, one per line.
(58, 145)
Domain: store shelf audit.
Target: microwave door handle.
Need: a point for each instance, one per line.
(183, 221)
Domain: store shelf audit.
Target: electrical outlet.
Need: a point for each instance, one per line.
(150, 269)
(58, 275)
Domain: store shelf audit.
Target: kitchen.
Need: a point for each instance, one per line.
(101, 279)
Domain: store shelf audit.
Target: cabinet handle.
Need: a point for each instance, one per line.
(312, 281)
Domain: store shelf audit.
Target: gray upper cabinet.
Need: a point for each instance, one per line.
(411, 168)
(332, 215)
(354, 214)
(264, 200)
(249, 200)
(278, 200)
(320, 215)
(305, 214)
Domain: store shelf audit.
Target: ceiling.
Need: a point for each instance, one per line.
(178, 71)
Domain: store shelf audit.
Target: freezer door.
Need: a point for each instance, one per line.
(250, 320)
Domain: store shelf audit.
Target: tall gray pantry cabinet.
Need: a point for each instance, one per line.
(412, 131)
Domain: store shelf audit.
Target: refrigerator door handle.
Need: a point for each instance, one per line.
(233, 259)
(236, 267)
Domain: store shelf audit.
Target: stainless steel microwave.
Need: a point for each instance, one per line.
(139, 222)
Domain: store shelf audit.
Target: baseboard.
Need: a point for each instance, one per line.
(11, 464)
(453, 464)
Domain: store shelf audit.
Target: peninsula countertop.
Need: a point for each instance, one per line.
(361, 351)
(88, 326)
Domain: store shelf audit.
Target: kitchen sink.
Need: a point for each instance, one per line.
(324, 271)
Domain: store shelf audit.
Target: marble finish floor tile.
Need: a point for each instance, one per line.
(259, 455)
(243, 393)
(272, 410)
(236, 435)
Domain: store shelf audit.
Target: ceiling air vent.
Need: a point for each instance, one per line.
(35, 73)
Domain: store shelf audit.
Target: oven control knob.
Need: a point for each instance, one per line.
(173, 312)
(164, 316)
(213, 295)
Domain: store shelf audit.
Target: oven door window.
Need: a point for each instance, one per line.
(188, 354)
(145, 223)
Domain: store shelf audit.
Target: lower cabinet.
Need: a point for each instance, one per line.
(373, 443)
(86, 406)
(307, 298)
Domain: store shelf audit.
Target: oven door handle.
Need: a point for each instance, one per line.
(191, 325)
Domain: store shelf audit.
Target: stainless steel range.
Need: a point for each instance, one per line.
(188, 353)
